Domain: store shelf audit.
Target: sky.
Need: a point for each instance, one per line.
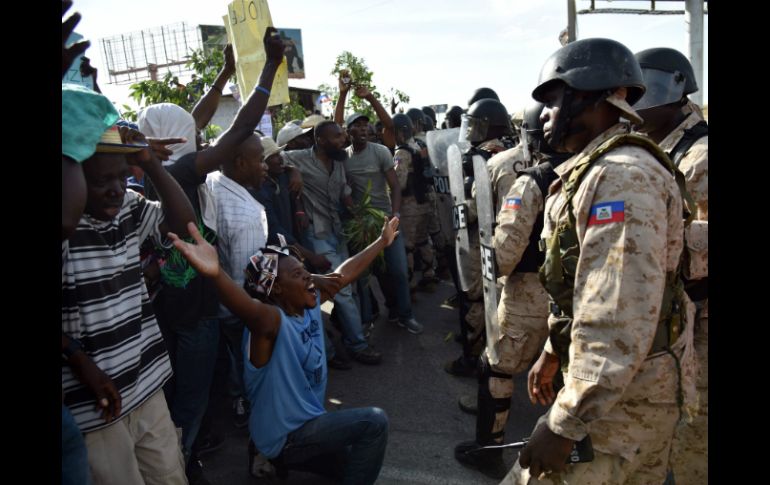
(436, 51)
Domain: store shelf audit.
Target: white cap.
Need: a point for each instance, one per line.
(289, 132)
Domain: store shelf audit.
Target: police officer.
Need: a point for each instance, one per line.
(683, 134)
(523, 310)
(416, 208)
(613, 235)
(430, 113)
(489, 131)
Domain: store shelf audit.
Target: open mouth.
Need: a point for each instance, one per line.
(311, 289)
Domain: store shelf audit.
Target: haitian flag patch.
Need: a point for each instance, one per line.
(512, 204)
(606, 212)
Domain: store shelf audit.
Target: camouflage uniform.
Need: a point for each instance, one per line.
(415, 217)
(523, 309)
(625, 399)
(436, 224)
(689, 454)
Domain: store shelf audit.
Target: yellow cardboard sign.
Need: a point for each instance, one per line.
(245, 22)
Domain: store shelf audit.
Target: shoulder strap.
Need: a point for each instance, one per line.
(689, 138)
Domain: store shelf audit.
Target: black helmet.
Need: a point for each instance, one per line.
(482, 115)
(593, 65)
(430, 112)
(427, 124)
(533, 126)
(483, 93)
(417, 116)
(668, 76)
(453, 116)
(403, 124)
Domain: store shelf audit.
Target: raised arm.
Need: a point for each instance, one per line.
(344, 86)
(388, 136)
(250, 113)
(351, 268)
(206, 107)
(259, 318)
(176, 206)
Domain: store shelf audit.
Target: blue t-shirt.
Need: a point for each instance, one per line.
(289, 390)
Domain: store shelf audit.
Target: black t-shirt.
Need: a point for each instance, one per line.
(186, 296)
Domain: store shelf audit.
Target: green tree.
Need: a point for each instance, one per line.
(287, 112)
(360, 75)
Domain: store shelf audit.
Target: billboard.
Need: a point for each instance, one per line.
(215, 37)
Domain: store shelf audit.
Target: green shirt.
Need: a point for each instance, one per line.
(371, 163)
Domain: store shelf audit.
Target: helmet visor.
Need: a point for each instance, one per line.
(473, 129)
(662, 88)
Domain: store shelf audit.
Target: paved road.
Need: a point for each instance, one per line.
(419, 397)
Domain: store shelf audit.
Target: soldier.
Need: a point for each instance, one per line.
(682, 133)
(523, 311)
(619, 323)
(416, 209)
(488, 130)
(425, 247)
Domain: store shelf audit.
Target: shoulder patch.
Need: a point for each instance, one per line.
(607, 212)
(512, 203)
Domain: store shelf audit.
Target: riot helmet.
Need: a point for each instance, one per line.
(453, 117)
(598, 66)
(479, 123)
(668, 76)
(431, 114)
(483, 93)
(402, 125)
(418, 119)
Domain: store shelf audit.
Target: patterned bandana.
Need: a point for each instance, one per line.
(262, 270)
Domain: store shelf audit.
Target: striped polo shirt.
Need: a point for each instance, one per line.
(106, 306)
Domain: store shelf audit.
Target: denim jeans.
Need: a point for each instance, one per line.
(195, 359)
(232, 332)
(336, 252)
(348, 445)
(394, 282)
(74, 457)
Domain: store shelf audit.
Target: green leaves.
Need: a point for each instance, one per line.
(365, 225)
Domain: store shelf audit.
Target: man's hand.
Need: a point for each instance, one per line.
(141, 158)
(86, 69)
(158, 146)
(273, 45)
(107, 395)
(545, 452)
(540, 379)
(344, 80)
(390, 230)
(362, 92)
(229, 66)
(320, 262)
(393, 104)
(69, 54)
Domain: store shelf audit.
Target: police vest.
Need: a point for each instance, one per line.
(562, 252)
(416, 183)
